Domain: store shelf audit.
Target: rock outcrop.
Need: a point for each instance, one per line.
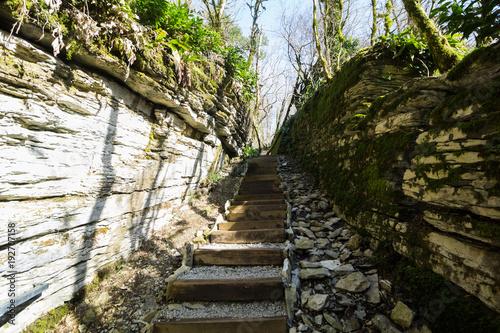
(91, 163)
(413, 161)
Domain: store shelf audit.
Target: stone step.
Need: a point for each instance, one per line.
(262, 165)
(220, 290)
(262, 172)
(266, 202)
(223, 325)
(259, 197)
(261, 183)
(251, 225)
(238, 257)
(247, 273)
(264, 160)
(261, 162)
(252, 178)
(260, 190)
(238, 209)
(249, 236)
(256, 216)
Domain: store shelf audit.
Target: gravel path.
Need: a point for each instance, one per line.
(223, 272)
(224, 310)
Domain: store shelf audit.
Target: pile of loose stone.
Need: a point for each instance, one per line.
(335, 287)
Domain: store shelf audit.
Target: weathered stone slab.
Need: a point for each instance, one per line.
(91, 163)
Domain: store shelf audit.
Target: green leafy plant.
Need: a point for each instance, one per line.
(457, 42)
(481, 18)
(212, 179)
(166, 36)
(387, 76)
(409, 47)
(239, 68)
(250, 152)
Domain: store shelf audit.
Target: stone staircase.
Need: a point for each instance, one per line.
(247, 245)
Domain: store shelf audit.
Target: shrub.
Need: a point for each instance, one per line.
(250, 152)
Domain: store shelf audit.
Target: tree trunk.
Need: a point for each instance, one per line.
(215, 11)
(339, 15)
(324, 63)
(257, 135)
(374, 25)
(257, 61)
(255, 11)
(444, 55)
(387, 19)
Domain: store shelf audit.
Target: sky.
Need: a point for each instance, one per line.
(270, 19)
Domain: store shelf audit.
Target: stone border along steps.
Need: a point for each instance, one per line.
(242, 265)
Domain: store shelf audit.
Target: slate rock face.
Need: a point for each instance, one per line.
(355, 282)
(90, 163)
(317, 302)
(424, 147)
(314, 273)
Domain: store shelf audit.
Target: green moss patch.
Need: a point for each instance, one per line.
(49, 321)
(486, 55)
(354, 175)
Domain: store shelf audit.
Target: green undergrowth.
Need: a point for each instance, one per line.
(444, 306)
(166, 39)
(355, 175)
(50, 320)
(47, 322)
(249, 153)
(485, 54)
(327, 104)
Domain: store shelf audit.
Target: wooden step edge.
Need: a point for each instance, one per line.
(223, 325)
(259, 178)
(263, 162)
(238, 257)
(278, 203)
(253, 225)
(258, 186)
(259, 191)
(249, 236)
(258, 211)
(220, 290)
(262, 172)
(242, 209)
(262, 169)
(258, 197)
(273, 180)
(253, 203)
(256, 219)
(252, 176)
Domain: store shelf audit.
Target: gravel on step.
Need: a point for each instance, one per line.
(223, 272)
(224, 310)
(218, 246)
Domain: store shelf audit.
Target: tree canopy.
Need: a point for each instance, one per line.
(179, 42)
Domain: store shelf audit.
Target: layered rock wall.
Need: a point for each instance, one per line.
(413, 161)
(91, 164)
